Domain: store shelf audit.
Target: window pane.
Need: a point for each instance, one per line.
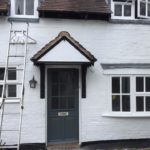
(147, 84)
(55, 103)
(55, 77)
(127, 10)
(71, 102)
(139, 84)
(118, 10)
(115, 85)
(139, 103)
(148, 9)
(11, 90)
(115, 103)
(147, 103)
(63, 89)
(126, 103)
(55, 89)
(142, 8)
(2, 70)
(63, 103)
(125, 85)
(1, 88)
(19, 7)
(29, 7)
(12, 74)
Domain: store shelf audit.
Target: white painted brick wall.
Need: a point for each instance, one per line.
(109, 43)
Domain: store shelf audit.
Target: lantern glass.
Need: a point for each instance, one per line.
(33, 83)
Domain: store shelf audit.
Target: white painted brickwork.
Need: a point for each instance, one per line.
(109, 43)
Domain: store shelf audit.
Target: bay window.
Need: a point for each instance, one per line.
(130, 93)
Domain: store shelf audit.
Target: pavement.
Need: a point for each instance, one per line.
(118, 145)
(88, 147)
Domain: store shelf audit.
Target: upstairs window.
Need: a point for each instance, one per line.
(24, 8)
(130, 9)
(122, 9)
(144, 8)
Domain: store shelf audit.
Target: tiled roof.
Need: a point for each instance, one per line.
(89, 6)
(3, 5)
(63, 36)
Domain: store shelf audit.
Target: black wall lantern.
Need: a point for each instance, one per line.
(33, 83)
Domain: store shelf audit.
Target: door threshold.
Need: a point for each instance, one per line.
(63, 146)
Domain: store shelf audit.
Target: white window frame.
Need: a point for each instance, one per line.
(138, 9)
(133, 95)
(11, 81)
(142, 94)
(13, 14)
(123, 4)
(121, 93)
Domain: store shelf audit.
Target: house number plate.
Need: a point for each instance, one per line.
(63, 114)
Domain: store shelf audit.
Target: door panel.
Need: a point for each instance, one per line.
(62, 107)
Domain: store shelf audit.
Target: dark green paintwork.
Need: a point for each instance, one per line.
(63, 92)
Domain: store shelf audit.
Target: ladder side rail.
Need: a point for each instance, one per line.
(6, 70)
(24, 69)
(4, 86)
(22, 88)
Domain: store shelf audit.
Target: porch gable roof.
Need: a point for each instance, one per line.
(63, 36)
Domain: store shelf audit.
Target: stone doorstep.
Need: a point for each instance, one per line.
(63, 147)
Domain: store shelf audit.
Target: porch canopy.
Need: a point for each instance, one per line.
(64, 50)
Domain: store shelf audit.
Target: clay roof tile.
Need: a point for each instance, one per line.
(91, 6)
(3, 5)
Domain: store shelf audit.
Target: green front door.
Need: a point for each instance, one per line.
(63, 105)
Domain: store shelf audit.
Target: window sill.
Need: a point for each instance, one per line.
(23, 19)
(132, 21)
(127, 115)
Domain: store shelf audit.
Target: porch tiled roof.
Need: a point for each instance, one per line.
(3, 5)
(63, 36)
(89, 6)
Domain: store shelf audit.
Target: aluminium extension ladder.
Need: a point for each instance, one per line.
(12, 107)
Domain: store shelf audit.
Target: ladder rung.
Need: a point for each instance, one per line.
(12, 98)
(18, 69)
(22, 43)
(8, 147)
(17, 30)
(11, 114)
(16, 56)
(9, 130)
(13, 83)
